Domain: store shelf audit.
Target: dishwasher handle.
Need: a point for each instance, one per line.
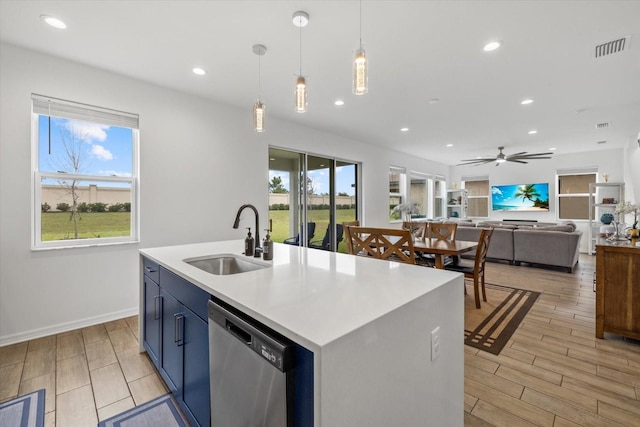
(238, 332)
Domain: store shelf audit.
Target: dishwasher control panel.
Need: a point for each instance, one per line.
(268, 353)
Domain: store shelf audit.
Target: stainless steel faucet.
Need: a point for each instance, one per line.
(236, 224)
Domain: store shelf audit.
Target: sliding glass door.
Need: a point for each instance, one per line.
(309, 198)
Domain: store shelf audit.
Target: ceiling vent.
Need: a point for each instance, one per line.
(614, 46)
(602, 125)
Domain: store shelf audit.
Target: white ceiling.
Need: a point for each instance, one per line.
(418, 51)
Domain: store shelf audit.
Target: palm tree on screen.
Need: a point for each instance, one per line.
(527, 191)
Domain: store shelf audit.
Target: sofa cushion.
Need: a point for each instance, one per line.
(565, 228)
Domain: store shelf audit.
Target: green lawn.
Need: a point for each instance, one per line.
(280, 220)
(58, 226)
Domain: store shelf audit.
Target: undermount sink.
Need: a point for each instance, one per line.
(225, 264)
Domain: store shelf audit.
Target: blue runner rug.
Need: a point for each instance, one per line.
(160, 412)
(23, 411)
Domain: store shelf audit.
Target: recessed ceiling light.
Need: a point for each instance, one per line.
(552, 149)
(338, 103)
(533, 132)
(199, 71)
(404, 129)
(527, 102)
(491, 46)
(53, 21)
(449, 145)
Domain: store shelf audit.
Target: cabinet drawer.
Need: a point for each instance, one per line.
(151, 269)
(187, 293)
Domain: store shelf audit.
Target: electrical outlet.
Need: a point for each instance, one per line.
(435, 343)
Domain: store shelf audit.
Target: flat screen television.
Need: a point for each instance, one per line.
(520, 197)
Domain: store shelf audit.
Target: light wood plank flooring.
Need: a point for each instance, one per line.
(89, 374)
(553, 372)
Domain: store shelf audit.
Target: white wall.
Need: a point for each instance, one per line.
(632, 169)
(611, 162)
(189, 146)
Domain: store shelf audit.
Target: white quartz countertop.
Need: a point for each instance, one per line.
(309, 295)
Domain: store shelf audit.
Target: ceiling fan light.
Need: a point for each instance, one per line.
(502, 160)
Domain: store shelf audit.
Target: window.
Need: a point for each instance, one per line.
(573, 193)
(419, 193)
(85, 169)
(478, 196)
(397, 190)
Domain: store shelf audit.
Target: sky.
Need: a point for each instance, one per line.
(345, 177)
(108, 150)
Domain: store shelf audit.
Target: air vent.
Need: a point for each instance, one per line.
(602, 125)
(601, 142)
(614, 46)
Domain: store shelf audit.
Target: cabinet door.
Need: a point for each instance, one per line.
(172, 342)
(152, 321)
(196, 367)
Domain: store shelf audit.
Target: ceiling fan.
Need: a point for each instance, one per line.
(501, 158)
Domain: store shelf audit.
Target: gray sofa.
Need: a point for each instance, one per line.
(534, 243)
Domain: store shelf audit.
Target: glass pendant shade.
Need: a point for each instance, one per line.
(258, 117)
(301, 95)
(360, 76)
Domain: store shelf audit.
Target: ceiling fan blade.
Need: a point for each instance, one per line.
(532, 156)
(475, 161)
(514, 160)
(517, 154)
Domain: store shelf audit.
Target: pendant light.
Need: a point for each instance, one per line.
(300, 19)
(258, 107)
(360, 74)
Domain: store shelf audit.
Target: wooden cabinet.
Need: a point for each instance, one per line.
(618, 290)
(176, 337)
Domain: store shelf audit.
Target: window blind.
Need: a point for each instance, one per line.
(48, 106)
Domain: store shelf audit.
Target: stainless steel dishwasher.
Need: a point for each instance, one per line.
(249, 368)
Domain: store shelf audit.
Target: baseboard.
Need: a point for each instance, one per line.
(65, 327)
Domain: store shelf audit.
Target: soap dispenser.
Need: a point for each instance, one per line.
(248, 243)
(267, 247)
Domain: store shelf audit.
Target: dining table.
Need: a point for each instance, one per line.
(442, 248)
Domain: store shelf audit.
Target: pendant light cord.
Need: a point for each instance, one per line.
(259, 79)
(360, 24)
(300, 50)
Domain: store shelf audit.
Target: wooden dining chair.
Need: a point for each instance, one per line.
(475, 269)
(418, 229)
(442, 231)
(382, 243)
(347, 236)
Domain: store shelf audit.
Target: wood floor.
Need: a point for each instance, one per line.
(89, 374)
(553, 372)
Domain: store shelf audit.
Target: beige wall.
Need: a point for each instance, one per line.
(313, 200)
(54, 194)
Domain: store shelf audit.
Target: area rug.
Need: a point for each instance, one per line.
(160, 412)
(23, 411)
(490, 327)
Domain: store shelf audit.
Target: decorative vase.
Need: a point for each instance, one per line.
(606, 218)
(618, 235)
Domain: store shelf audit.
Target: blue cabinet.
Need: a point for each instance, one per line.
(152, 320)
(176, 338)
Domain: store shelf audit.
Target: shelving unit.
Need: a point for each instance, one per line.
(599, 192)
(457, 203)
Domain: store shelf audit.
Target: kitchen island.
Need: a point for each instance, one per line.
(369, 324)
